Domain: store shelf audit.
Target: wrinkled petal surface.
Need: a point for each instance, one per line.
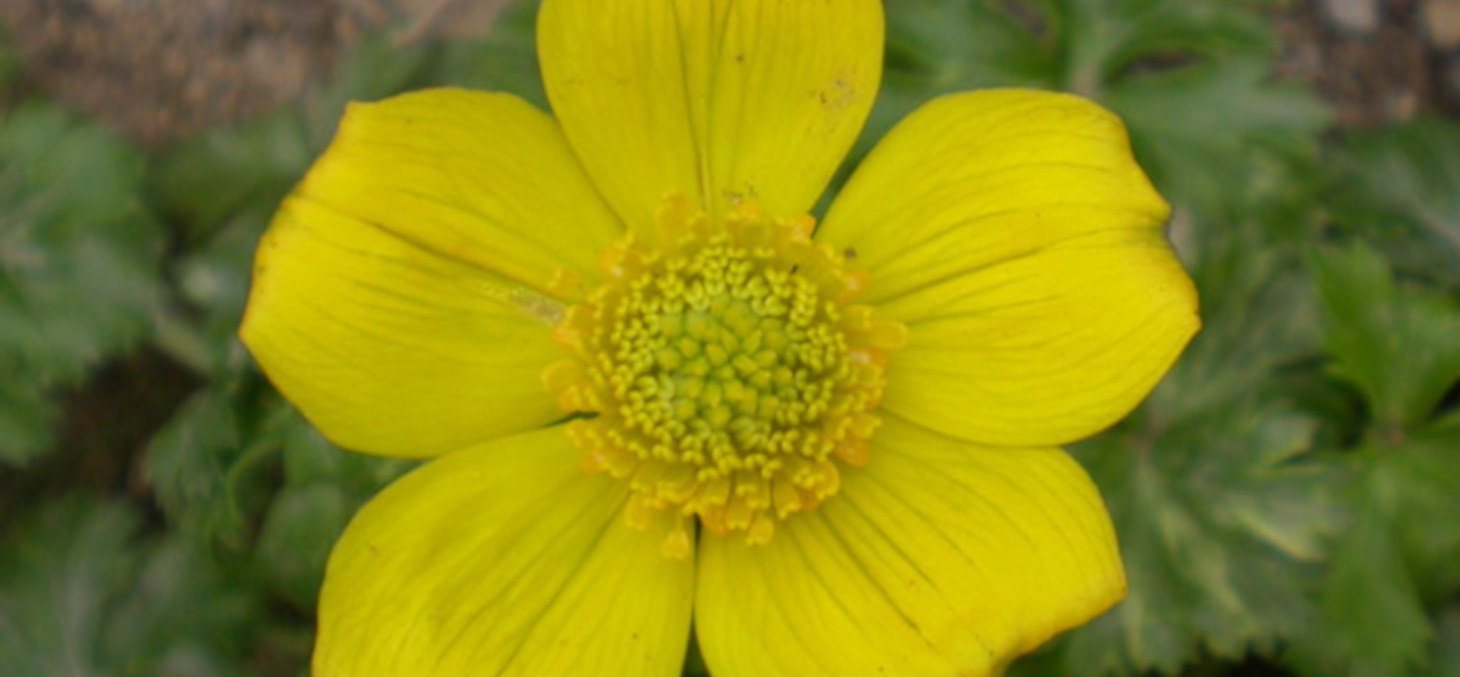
(720, 100)
(400, 298)
(1015, 235)
(503, 559)
(939, 558)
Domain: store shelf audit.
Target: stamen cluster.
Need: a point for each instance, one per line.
(728, 373)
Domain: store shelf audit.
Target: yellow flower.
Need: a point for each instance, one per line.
(657, 392)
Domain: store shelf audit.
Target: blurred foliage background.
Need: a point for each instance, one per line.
(1288, 500)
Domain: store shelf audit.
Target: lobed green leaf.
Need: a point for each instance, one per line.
(1402, 192)
(82, 594)
(1399, 345)
(1192, 78)
(79, 262)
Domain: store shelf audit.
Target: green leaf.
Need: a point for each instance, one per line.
(239, 471)
(294, 543)
(58, 569)
(1400, 554)
(1372, 622)
(180, 617)
(209, 468)
(1192, 78)
(1402, 192)
(214, 278)
(1102, 42)
(1258, 318)
(1219, 502)
(79, 273)
(9, 66)
(1218, 135)
(503, 60)
(1399, 345)
(1221, 519)
(942, 45)
(1427, 504)
(310, 459)
(26, 419)
(1447, 663)
(81, 594)
(324, 486)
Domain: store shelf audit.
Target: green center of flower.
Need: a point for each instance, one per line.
(729, 374)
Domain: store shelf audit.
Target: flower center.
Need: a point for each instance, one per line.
(728, 371)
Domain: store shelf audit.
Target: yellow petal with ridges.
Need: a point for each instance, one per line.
(719, 100)
(502, 559)
(939, 558)
(1014, 234)
(481, 177)
(401, 297)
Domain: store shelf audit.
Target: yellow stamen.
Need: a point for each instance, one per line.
(728, 372)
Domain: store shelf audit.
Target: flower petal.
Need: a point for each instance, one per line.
(481, 177)
(400, 296)
(937, 558)
(716, 99)
(1016, 236)
(504, 559)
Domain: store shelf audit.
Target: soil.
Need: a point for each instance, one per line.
(159, 69)
(105, 425)
(1370, 78)
(112, 419)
